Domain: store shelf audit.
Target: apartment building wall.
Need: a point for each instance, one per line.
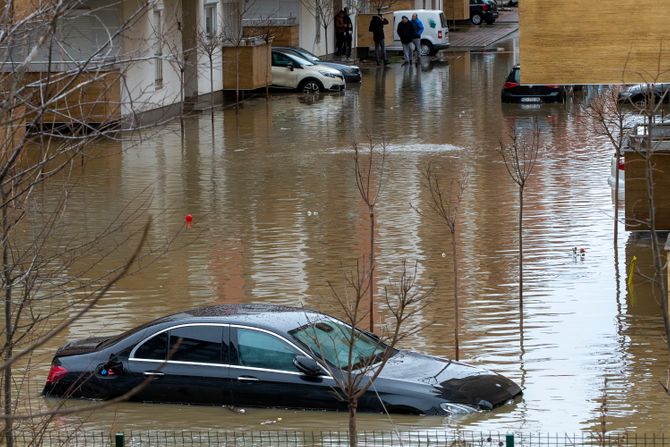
(581, 42)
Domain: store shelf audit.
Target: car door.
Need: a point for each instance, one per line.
(183, 364)
(262, 364)
(282, 74)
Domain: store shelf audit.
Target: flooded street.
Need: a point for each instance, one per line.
(276, 215)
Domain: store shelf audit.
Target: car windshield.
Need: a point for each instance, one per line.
(443, 20)
(303, 62)
(329, 339)
(307, 55)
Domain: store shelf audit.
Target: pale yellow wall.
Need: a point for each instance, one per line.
(585, 42)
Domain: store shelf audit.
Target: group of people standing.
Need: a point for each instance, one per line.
(409, 32)
(344, 33)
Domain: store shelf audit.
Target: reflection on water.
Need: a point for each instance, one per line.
(277, 215)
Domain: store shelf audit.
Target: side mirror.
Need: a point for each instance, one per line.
(307, 365)
(290, 66)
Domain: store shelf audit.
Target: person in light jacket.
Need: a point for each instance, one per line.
(416, 40)
(406, 33)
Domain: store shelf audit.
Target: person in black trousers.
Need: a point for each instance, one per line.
(406, 33)
(348, 34)
(377, 29)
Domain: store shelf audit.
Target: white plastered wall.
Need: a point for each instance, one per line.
(139, 92)
(204, 86)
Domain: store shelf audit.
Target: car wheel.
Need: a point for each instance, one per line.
(310, 85)
(426, 48)
(476, 18)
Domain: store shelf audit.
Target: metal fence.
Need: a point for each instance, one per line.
(338, 438)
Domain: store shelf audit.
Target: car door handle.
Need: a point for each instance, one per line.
(247, 379)
(153, 374)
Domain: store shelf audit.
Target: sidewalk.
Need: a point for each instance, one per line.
(474, 38)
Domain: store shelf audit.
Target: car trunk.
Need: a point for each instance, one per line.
(80, 346)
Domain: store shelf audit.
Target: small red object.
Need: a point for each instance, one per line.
(189, 220)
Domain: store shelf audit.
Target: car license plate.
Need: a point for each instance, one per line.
(531, 99)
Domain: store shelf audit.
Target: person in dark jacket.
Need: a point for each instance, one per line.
(339, 33)
(348, 34)
(406, 33)
(377, 29)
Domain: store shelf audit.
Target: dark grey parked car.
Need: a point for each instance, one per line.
(351, 73)
(266, 356)
(637, 94)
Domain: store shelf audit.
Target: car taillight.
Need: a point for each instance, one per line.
(510, 84)
(621, 166)
(56, 373)
(485, 7)
(439, 34)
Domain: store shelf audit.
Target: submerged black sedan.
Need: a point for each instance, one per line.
(265, 356)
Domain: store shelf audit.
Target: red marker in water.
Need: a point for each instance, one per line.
(189, 220)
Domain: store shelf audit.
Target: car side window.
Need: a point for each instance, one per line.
(261, 350)
(154, 348)
(280, 60)
(201, 344)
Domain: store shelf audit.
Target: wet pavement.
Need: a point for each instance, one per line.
(277, 215)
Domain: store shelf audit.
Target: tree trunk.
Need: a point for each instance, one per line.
(616, 196)
(457, 318)
(372, 268)
(211, 91)
(181, 107)
(9, 330)
(353, 430)
(521, 257)
(237, 76)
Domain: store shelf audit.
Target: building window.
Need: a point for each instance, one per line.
(158, 48)
(210, 20)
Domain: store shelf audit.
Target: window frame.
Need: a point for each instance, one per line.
(211, 7)
(225, 339)
(157, 18)
(235, 354)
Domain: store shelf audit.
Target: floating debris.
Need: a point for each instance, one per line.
(235, 409)
(271, 421)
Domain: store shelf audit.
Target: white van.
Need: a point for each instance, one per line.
(435, 34)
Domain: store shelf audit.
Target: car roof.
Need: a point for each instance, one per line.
(267, 316)
(418, 11)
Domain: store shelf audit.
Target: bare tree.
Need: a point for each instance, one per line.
(233, 36)
(613, 121)
(520, 156)
(645, 144)
(178, 58)
(445, 206)
(210, 42)
(264, 27)
(369, 181)
(355, 369)
(323, 12)
(56, 104)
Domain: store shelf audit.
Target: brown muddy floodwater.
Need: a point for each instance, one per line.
(277, 215)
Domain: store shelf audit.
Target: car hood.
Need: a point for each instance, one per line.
(457, 382)
(325, 69)
(336, 66)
